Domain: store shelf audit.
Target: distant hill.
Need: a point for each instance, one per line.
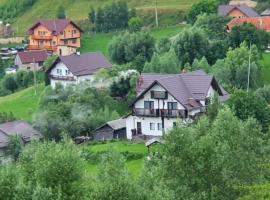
(79, 9)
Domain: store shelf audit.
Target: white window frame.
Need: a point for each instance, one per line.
(152, 126)
(159, 126)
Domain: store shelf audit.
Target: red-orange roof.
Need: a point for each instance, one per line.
(262, 23)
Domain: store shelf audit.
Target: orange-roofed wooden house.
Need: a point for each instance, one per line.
(60, 36)
(262, 23)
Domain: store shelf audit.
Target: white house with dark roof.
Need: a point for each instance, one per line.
(75, 68)
(165, 99)
(31, 60)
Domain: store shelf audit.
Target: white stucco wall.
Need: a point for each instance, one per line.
(131, 123)
(158, 104)
(61, 66)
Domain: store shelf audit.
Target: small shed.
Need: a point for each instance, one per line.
(266, 12)
(155, 140)
(115, 129)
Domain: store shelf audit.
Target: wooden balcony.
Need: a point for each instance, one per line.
(42, 37)
(167, 113)
(62, 78)
(42, 47)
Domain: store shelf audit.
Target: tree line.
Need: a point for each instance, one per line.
(215, 158)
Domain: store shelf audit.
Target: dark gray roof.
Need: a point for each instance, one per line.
(187, 88)
(117, 124)
(85, 64)
(22, 128)
(266, 12)
(224, 10)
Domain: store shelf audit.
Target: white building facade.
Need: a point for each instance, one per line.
(160, 107)
(60, 74)
(75, 68)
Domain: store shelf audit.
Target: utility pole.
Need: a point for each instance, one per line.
(156, 14)
(35, 78)
(249, 57)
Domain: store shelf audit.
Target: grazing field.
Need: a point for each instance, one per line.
(100, 42)
(134, 153)
(78, 10)
(23, 103)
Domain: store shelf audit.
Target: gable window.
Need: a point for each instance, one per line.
(59, 72)
(152, 126)
(148, 104)
(159, 126)
(172, 105)
(67, 72)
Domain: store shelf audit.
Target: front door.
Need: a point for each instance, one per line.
(139, 128)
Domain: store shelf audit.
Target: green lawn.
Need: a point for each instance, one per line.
(266, 68)
(99, 42)
(23, 103)
(135, 166)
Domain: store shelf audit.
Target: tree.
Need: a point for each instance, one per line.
(122, 85)
(56, 167)
(191, 43)
(61, 13)
(9, 83)
(113, 16)
(113, 180)
(214, 25)
(247, 104)
(78, 114)
(264, 92)
(203, 6)
(249, 33)
(211, 160)
(164, 63)
(164, 45)
(201, 64)
(232, 71)
(135, 24)
(15, 146)
(132, 47)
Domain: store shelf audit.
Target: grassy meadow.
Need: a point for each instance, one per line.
(23, 103)
(266, 68)
(78, 10)
(99, 42)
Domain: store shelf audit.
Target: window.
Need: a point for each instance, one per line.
(159, 126)
(67, 72)
(74, 41)
(149, 104)
(152, 126)
(172, 105)
(54, 43)
(65, 42)
(59, 72)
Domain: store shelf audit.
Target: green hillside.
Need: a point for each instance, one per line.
(23, 104)
(79, 9)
